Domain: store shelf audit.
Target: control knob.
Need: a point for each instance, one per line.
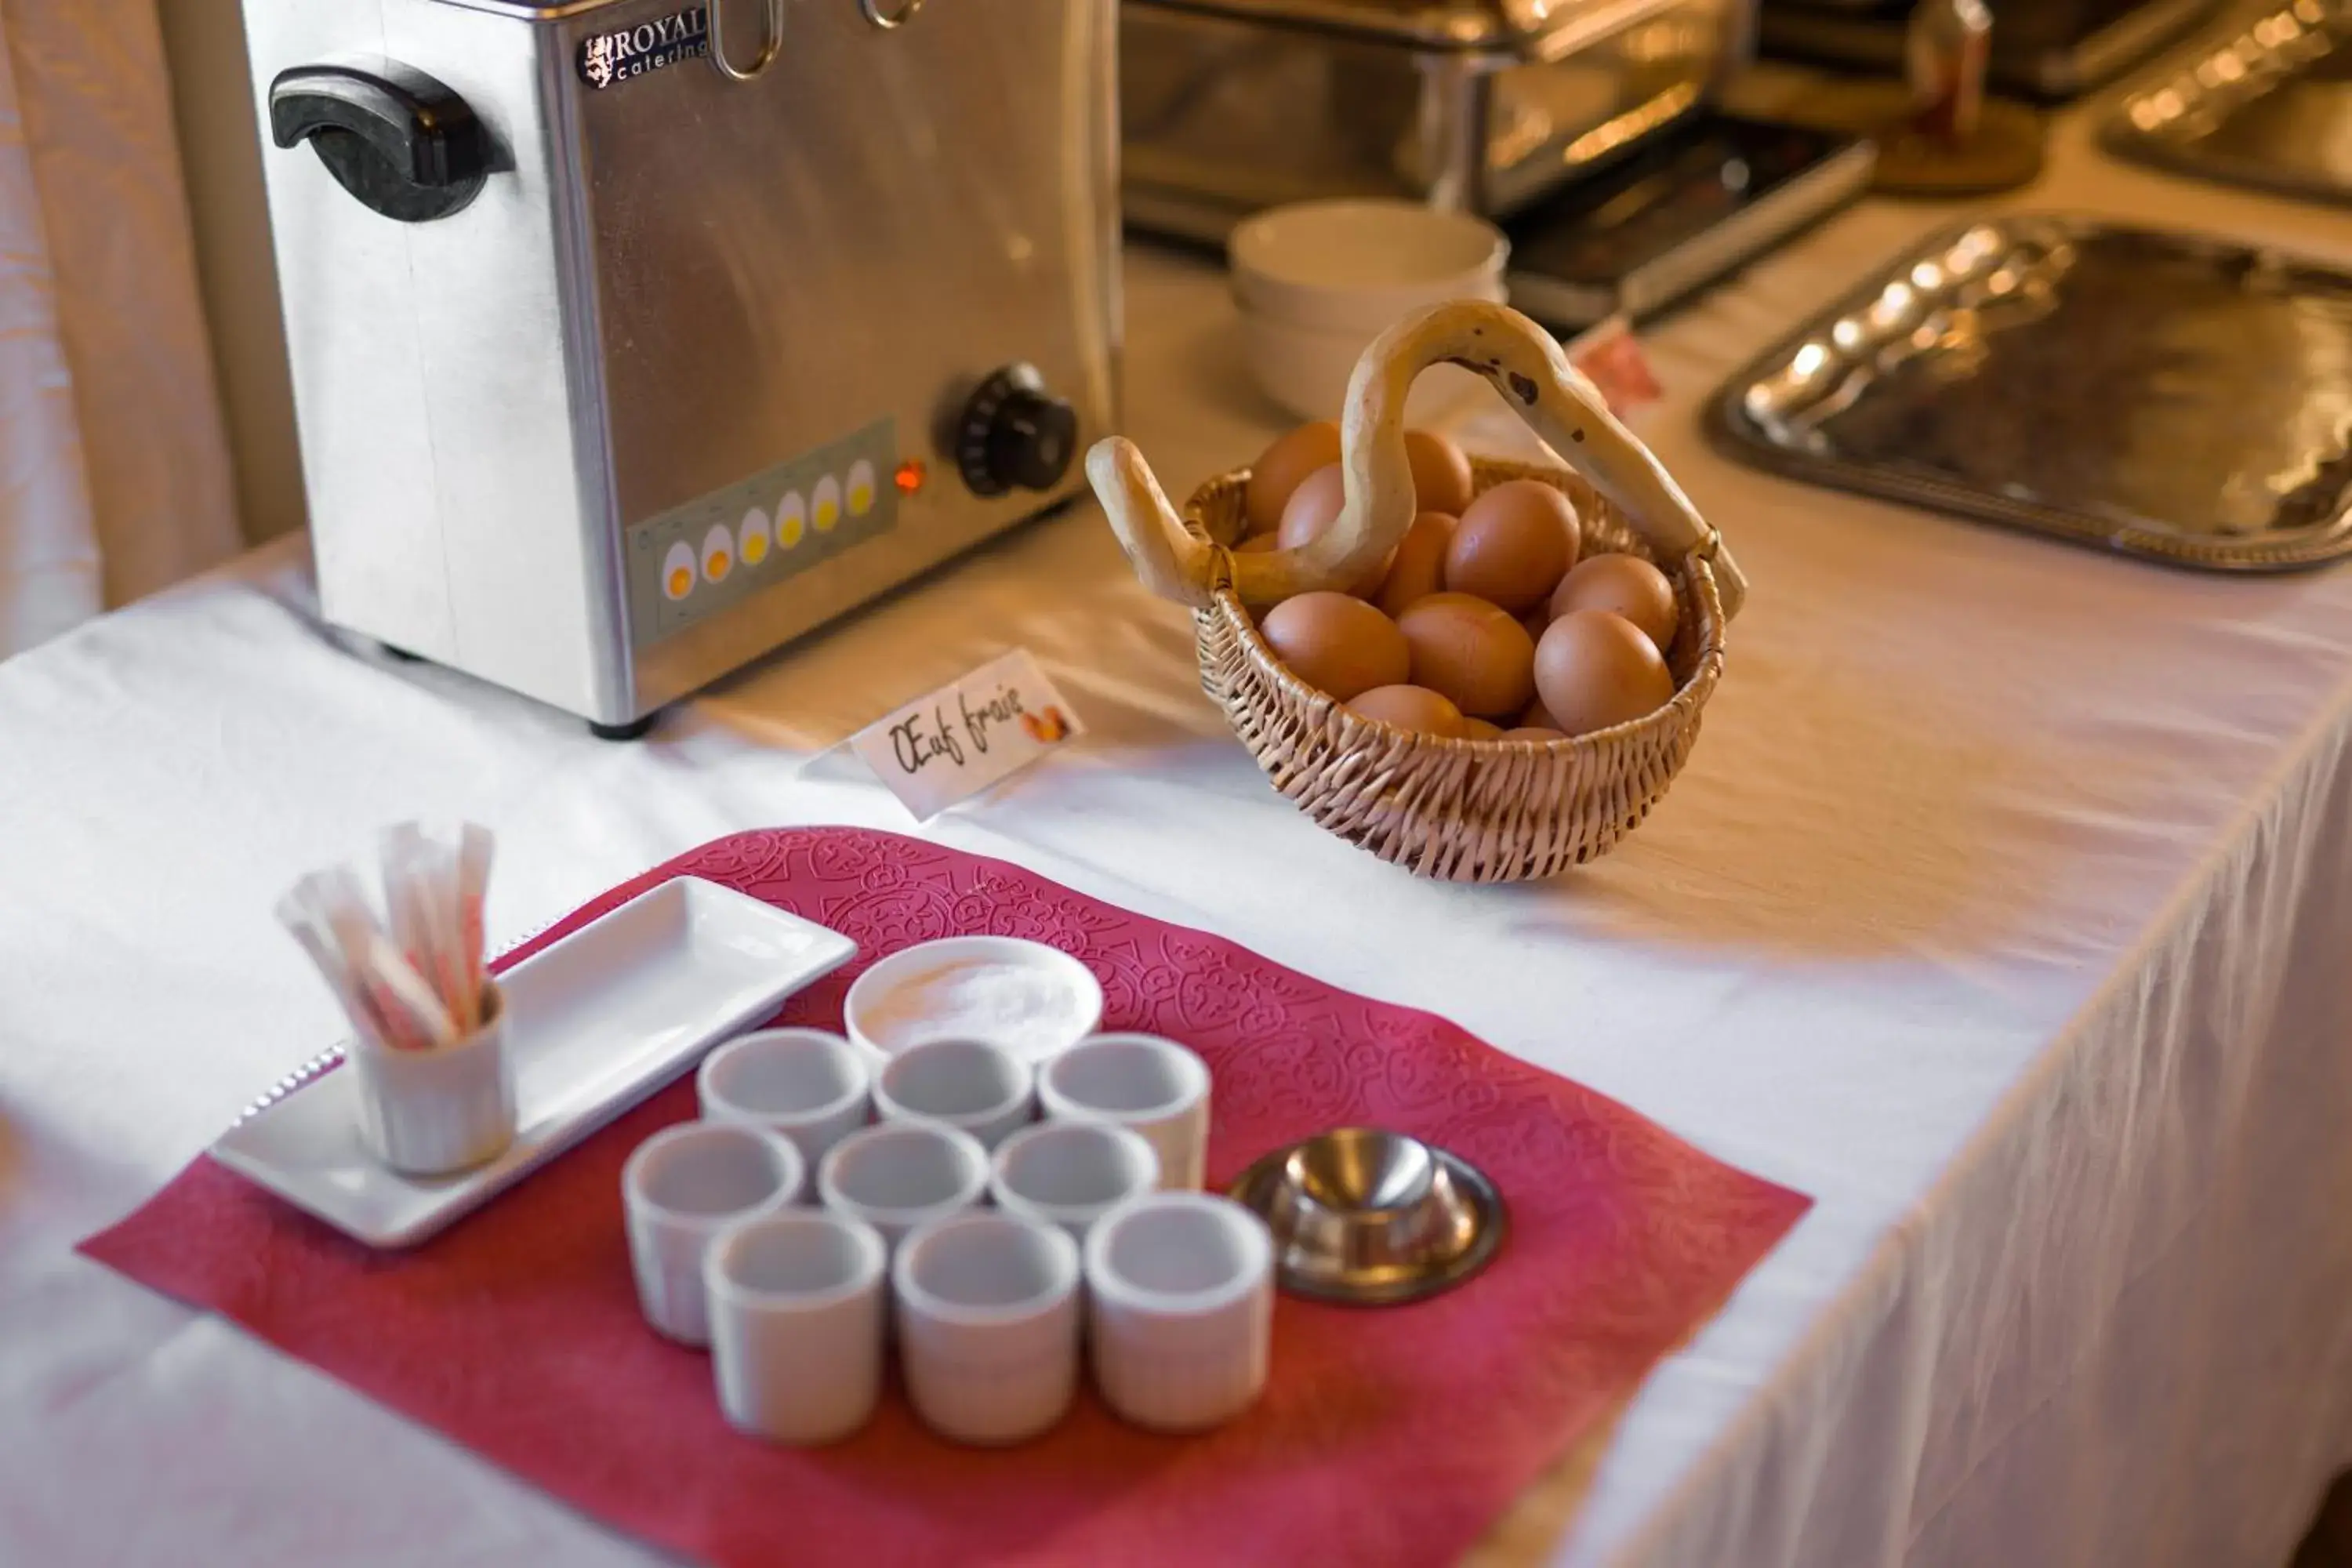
(1015, 434)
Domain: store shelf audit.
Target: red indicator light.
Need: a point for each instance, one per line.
(909, 478)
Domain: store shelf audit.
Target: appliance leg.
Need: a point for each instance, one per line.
(634, 729)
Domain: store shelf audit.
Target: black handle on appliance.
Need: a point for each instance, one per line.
(403, 143)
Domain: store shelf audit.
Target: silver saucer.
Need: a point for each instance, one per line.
(1367, 1218)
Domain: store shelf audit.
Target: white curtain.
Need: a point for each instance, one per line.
(114, 467)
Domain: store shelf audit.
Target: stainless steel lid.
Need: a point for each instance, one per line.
(548, 10)
(1533, 29)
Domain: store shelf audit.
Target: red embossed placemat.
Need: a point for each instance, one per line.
(1392, 1436)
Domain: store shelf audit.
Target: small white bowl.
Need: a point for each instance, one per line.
(1035, 1001)
(1317, 282)
(1362, 266)
(1305, 370)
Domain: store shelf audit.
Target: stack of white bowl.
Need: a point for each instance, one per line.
(1317, 282)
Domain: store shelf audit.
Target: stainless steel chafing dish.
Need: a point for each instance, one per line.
(1228, 106)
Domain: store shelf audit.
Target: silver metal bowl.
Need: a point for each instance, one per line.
(1373, 1218)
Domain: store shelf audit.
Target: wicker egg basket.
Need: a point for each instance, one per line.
(1457, 810)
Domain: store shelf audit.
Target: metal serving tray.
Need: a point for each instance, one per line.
(2166, 395)
(2269, 108)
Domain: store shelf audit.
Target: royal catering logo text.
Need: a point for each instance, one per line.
(608, 59)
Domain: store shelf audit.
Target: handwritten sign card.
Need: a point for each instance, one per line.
(962, 738)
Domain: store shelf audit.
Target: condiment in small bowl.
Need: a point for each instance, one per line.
(1033, 1001)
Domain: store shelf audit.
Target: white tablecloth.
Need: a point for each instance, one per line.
(2003, 908)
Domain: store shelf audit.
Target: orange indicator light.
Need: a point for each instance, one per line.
(910, 477)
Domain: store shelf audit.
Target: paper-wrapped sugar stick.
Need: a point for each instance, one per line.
(337, 895)
(396, 986)
(315, 900)
(421, 901)
(474, 849)
(418, 985)
(404, 851)
(309, 929)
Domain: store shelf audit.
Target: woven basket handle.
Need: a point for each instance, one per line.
(1520, 360)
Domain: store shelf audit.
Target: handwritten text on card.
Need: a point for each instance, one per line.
(965, 737)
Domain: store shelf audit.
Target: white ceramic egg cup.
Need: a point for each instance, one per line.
(1153, 1086)
(797, 1303)
(1071, 1174)
(1180, 1291)
(680, 1189)
(988, 1325)
(898, 1176)
(987, 1308)
(968, 1085)
(813, 1087)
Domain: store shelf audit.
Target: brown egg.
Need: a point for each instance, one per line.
(1410, 708)
(1479, 729)
(1533, 732)
(1595, 669)
(1538, 717)
(1337, 644)
(1417, 570)
(1481, 659)
(1513, 546)
(1314, 507)
(1441, 472)
(1280, 468)
(1625, 586)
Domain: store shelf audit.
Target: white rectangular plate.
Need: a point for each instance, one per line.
(596, 1022)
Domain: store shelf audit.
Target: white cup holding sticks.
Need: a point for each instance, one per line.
(441, 1110)
(436, 1092)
